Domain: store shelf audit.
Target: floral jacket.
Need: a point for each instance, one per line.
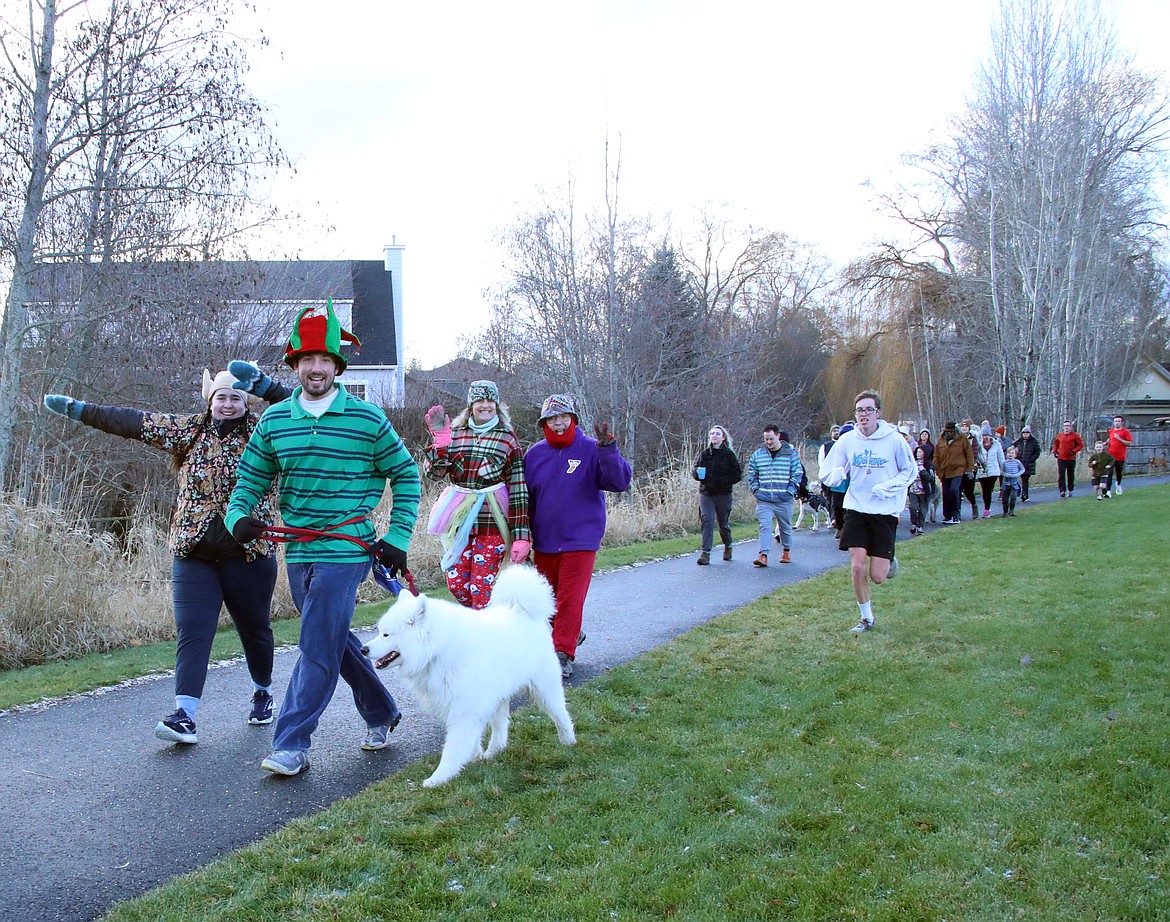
(207, 474)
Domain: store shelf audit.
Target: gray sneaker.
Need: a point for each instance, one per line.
(376, 736)
(893, 568)
(861, 627)
(566, 665)
(286, 762)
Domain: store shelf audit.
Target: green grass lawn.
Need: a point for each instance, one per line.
(997, 748)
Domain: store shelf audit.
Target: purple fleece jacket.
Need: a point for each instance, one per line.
(566, 506)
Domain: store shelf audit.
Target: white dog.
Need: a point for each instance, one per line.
(466, 665)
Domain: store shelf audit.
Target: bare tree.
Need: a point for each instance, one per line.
(1042, 230)
(663, 337)
(124, 137)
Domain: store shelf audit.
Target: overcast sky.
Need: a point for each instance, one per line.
(438, 123)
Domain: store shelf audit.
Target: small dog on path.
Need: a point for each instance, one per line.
(466, 665)
(815, 504)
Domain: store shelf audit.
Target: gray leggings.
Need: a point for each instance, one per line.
(712, 510)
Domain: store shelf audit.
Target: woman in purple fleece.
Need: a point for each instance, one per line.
(566, 475)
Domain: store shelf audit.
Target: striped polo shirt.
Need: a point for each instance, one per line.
(329, 468)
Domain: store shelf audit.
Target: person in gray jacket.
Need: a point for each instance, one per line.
(774, 474)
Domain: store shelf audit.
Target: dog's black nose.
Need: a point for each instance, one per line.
(365, 651)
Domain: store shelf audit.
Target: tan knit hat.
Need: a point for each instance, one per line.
(224, 379)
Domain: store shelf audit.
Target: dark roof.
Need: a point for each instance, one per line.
(373, 313)
(364, 282)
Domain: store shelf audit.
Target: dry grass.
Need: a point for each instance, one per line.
(67, 590)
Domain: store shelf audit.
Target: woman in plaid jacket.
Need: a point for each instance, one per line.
(485, 507)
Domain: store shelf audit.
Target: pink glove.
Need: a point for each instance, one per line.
(520, 550)
(439, 423)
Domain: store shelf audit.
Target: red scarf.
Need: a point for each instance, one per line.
(565, 439)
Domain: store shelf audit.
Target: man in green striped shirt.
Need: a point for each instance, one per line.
(332, 455)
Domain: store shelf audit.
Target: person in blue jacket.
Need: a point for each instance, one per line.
(774, 474)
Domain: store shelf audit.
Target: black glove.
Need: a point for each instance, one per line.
(248, 529)
(392, 558)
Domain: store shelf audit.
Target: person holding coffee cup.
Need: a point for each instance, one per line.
(717, 470)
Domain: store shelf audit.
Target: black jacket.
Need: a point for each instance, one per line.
(1028, 452)
(723, 470)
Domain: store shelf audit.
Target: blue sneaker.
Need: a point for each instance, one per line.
(375, 738)
(286, 762)
(261, 709)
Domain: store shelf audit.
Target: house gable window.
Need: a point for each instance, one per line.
(359, 389)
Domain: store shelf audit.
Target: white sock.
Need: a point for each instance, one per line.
(263, 688)
(188, 704)
(866, 611)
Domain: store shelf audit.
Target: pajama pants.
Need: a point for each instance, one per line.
(474, 574)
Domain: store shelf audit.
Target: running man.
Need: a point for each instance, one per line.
(877, 462)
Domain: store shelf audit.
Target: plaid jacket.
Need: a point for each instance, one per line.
(476, 461)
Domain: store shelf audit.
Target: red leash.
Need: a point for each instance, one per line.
(287, 534)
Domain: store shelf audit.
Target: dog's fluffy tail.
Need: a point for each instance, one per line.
(523, 588)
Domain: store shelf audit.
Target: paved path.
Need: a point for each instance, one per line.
(97, 810)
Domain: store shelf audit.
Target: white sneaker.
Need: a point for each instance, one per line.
(1119, 490)
(893, 568)
(861, 627)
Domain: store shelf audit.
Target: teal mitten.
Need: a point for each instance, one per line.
(250, 379)
(66, 406)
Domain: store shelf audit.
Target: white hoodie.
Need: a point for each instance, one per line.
(880, 467)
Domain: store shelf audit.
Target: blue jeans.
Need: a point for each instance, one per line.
(200, 589)
(781, 510)
(326, 594)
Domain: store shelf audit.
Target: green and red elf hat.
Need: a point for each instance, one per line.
(316, 332)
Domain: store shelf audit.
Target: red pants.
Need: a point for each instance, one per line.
(569, 574)
(474, 573)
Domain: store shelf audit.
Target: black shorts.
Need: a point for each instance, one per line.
(873, 532)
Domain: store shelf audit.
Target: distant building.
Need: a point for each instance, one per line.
(367, 298)
(1145, 400)
(448, 383)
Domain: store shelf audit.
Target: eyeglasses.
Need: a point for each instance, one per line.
(861, 411)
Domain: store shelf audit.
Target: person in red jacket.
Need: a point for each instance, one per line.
(1066, 446)
(1120, 439)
